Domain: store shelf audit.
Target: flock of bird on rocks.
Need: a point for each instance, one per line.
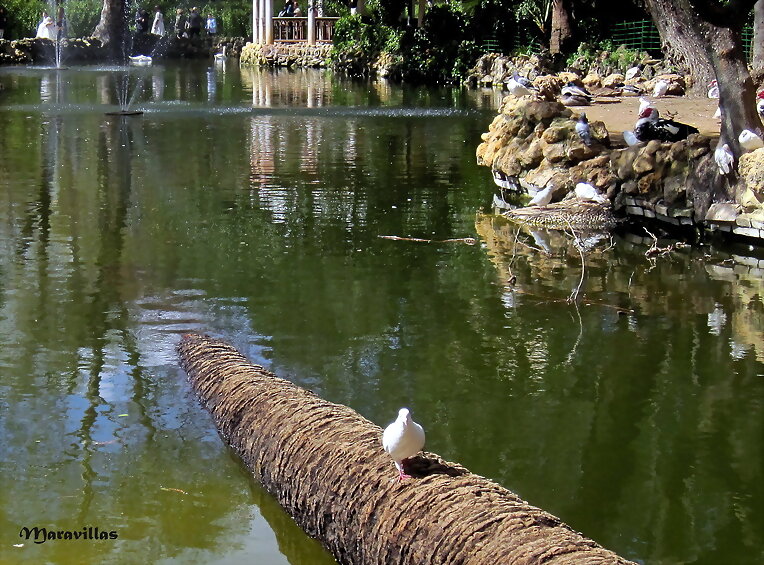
(649, 124)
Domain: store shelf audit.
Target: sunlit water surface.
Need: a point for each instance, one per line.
(626, 396)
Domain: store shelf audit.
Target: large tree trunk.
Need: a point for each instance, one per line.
(681, 43)
(561, 28)
(112, 30)
(325, 465)
(757, 55)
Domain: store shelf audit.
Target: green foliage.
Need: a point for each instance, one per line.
(82, 16)
(537, 11)
(604, 56)
(438, 52)
(23, 17)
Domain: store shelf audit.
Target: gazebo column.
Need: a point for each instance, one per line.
(311, 23)
(268, 21)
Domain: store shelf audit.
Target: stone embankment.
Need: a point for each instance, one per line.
(601, 75)
(325, 465)
(285, 55)
(678, 183)
(36, 50)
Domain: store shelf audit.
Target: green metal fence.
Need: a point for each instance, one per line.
(641, 35)
(748, 41)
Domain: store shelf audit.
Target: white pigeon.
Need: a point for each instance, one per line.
(542, 197)
(750, 140)
(520, 86)
(402, 439)
(630, 138)
(713, 89)
(660, 88)
(633, 72)
(724, 159)
(585, 191)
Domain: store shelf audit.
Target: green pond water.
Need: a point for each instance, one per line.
(250, 205)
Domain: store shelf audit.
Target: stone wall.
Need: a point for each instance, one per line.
(676, 183)
(36, 50)
(286, 55)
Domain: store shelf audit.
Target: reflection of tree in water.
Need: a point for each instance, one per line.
(78, 290)
(680, 432)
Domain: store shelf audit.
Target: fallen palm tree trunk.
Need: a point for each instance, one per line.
(325, 465)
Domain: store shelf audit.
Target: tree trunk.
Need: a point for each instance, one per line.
(709, 36)
(737, 94)
(325, 465)
(112, 30)
(757, 55)
(561, 28)
(681, 43)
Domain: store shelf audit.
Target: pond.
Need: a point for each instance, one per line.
(619, 388)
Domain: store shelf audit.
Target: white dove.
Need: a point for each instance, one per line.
(402, 439)
(542, 197)
(520, 86)
(660, 88)
(585, 191)
(749, 140)
(724, 159)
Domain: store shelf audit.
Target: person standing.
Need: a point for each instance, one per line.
(3, 22)
(194, 23)
(157, 26)
(211, 25)
(180, 23)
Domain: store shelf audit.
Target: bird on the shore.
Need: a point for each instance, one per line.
(660, 88)
(713, 89)
(570, 99)
(583, 130)
(760, 103)
(750, 140)
(520, 86)
(542, 197)
(644, 103)
(575, 90)
(724, 158)
(650, 126)
(633, 72)
(402, 439)
(630, 90)
(586, 191)
(630, 138)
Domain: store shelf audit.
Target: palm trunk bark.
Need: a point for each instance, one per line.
(561, 27)
(325, 465)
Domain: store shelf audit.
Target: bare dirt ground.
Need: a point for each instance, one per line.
(620, 114)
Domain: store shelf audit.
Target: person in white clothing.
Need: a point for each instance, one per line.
(157, 27)
(47, 27)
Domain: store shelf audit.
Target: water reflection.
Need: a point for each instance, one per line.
(262, 226)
